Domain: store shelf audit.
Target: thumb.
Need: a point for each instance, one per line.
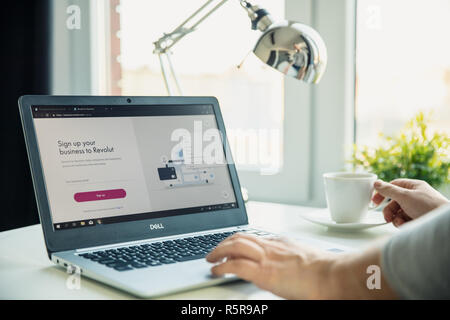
(389, 190)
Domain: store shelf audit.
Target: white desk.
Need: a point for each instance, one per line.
(27, 273)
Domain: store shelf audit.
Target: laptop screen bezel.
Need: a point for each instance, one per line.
(77, 238)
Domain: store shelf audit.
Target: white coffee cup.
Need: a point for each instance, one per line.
(349, 195)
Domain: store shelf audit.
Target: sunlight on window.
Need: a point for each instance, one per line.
(403, 65)
(251, 97)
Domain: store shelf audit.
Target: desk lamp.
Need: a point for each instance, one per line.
(290, 47)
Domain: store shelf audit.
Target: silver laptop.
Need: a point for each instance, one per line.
(134, 191)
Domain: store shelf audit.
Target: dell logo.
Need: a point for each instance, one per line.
(156, 226)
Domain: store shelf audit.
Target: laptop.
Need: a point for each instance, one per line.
(134, 191)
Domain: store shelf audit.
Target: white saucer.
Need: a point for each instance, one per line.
(322, 217)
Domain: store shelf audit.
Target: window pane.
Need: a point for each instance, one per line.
(403, 65)
(206, 62)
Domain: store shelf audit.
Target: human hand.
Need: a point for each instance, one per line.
(410, 199)
(287, 269)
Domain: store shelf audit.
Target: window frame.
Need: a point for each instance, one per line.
(309, 148)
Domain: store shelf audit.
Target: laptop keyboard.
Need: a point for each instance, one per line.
(159, 253)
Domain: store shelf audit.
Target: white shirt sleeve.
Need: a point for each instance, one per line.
(416, 261)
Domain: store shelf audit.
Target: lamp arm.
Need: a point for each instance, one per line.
(168, 40)
(259, 17)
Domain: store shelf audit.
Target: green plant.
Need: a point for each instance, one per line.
(414, 154)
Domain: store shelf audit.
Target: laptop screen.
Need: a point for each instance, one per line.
(109, 164)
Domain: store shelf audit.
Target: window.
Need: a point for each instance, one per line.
(284, 133)
(402, 64)
(251, 97)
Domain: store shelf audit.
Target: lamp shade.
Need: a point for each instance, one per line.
(294, 49)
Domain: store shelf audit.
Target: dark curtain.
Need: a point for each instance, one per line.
(24, 70)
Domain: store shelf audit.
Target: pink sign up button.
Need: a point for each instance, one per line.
(99, 195)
